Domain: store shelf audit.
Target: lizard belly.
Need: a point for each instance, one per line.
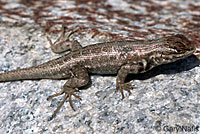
(104, 70)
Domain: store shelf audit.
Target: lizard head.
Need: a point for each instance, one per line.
(176, 47)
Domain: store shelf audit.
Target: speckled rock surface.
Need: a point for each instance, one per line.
(162, 100)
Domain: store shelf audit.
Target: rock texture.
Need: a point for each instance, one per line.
(162, 100)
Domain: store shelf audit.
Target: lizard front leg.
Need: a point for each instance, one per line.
(80, 78)
(121, 76)
(63, 43)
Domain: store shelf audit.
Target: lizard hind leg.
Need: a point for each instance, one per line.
(80, 78)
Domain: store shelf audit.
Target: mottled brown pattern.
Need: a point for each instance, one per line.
(121, 57)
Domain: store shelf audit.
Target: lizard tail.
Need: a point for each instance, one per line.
(32, 73)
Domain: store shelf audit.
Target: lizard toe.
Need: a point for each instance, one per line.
(124, 86)
(69, 92)
(127, 87)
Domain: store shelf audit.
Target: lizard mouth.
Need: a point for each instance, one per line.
(190, 52)
(184, 54)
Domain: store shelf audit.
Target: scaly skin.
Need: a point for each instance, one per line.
(118, 57)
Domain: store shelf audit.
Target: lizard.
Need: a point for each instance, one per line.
(121, 57)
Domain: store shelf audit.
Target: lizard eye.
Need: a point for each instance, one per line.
(180, 47)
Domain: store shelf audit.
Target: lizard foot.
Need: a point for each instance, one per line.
(125, 86)
(69, 92)
(63, 43)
